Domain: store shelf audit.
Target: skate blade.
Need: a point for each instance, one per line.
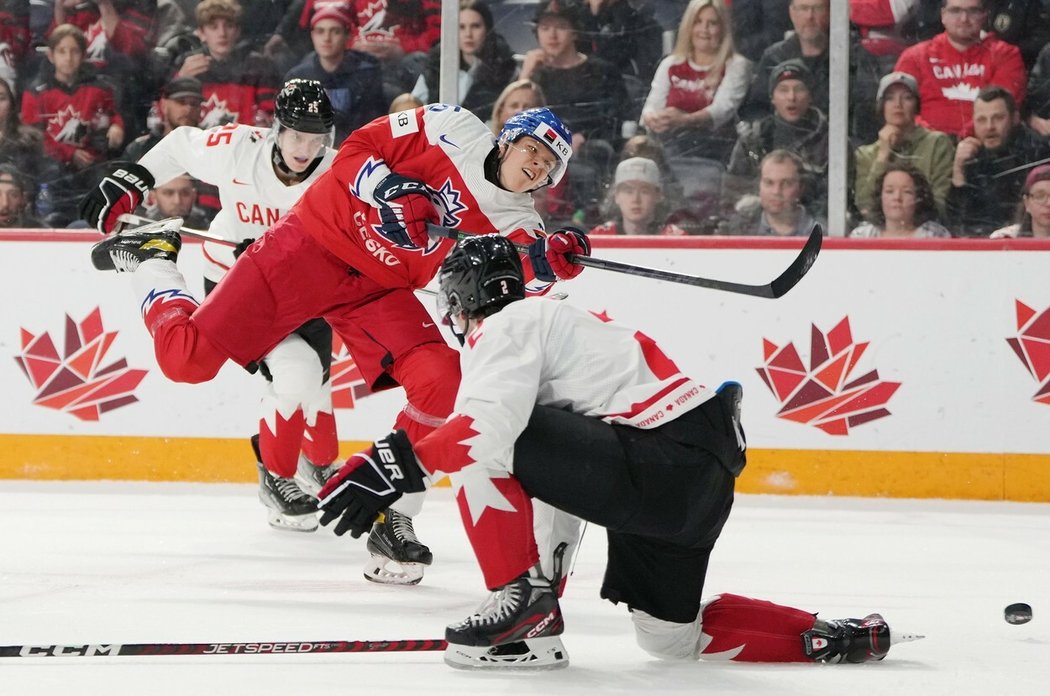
(535, 654)
(898, 638)
(293, 523)
(386, 571)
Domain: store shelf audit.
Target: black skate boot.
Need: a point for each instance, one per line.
(852, 640)
(290, 508)
(124, 251)
(398, 556)
(312, 478)
(516, 627)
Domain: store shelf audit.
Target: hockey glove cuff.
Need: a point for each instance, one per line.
(369, 482)
(552, 256)
(405, 209)
(242, 246)
(119, 192)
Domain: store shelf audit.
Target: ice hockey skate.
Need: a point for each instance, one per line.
(852, 640)
(517, 627)
(398, 557)
(289, 507)
(312, 478)
(124, 251)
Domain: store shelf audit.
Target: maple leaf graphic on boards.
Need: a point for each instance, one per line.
(826, 395)
(348, 384)
(76, 381)
(1032, 346)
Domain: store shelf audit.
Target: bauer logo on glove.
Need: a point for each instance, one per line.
(369, 482)
(119, 192)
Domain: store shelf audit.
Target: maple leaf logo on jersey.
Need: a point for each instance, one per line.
(96, 44)
(1032, 346)
(961, 92)
(449, 202)
(825, 395)
(348, 384)
(214, 112)
(66, 126)
(76, 382)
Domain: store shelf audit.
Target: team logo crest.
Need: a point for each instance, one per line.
(825, 395)
(77, 381)
(67, 126)
(1032, 346)
(215, 112)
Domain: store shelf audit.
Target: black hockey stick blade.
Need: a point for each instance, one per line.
(778, 287)
(259, 648)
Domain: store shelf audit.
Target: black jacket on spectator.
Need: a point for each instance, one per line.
(590, 98)
(1024, 23)
(864, 84)
(627, 37)
(758, 24)
(495, 72)
(238, 88)
(1038, 99)
(989, 198)
(355, 89)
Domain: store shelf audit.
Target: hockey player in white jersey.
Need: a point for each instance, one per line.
(593, 419)
(260, 174)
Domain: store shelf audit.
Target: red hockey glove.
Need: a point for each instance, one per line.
(369, 482)
(405, 209)
(119, 192)
(551, 256)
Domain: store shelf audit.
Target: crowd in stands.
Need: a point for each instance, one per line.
(694, 117)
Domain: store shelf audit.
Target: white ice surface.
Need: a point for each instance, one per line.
(122, 562)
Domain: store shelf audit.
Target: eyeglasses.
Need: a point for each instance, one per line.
(533, 153)
(957, 12)
(1041, 198)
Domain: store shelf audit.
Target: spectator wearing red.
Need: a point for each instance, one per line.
(239, 85)
(952, 67)
(125, 26)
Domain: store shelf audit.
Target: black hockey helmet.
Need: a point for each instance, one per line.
(303, 105)
(480, 276)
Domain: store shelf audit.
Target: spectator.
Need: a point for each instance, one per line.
(1023, 24)
(15, 39)
(952, 66)
(697, 88)
(74, 109)
(399, 33)
(636, 203)
(486, 63)
(352, 79)
(905, 206)
(14, 201)
(179, 105)
(901, 139)
(643, 145)
(21, 146)
(809, 44)
(778, 211)
(795, 125)
(404, 102)
(239, 85)
(516, 97)
(176, 198)
(625, 36)
(989, 169)
(758, 24)
(883, 27)
(1037, 103)
(1033, 214)
(588, 94)
(124, 27)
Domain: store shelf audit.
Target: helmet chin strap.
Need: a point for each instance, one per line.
(282, 167)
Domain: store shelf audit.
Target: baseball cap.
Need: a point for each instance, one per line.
(339, 10)
(183, 87)
(9, 174)
(637, 169)
(791, 69)
(567, 9)
(897, 78)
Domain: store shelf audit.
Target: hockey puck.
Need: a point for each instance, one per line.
(1017, 614)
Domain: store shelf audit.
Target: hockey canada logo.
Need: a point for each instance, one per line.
(826, 395)
(1032, 346)
(348, 385)
(77, 381)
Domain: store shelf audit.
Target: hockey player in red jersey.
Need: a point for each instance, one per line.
(594, 420)
(351, 251)
(260, 174)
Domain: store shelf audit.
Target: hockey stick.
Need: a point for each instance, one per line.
(778, 287)
(262, 648)
(133, 219)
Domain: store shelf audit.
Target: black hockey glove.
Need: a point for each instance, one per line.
(405, 209)
(369, 482)
(119, 192)
(242, 247)
(551, 256)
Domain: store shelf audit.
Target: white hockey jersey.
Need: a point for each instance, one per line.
(237, 159)
(543, 352)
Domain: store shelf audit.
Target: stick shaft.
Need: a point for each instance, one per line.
(256, 648)
(188, 231)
